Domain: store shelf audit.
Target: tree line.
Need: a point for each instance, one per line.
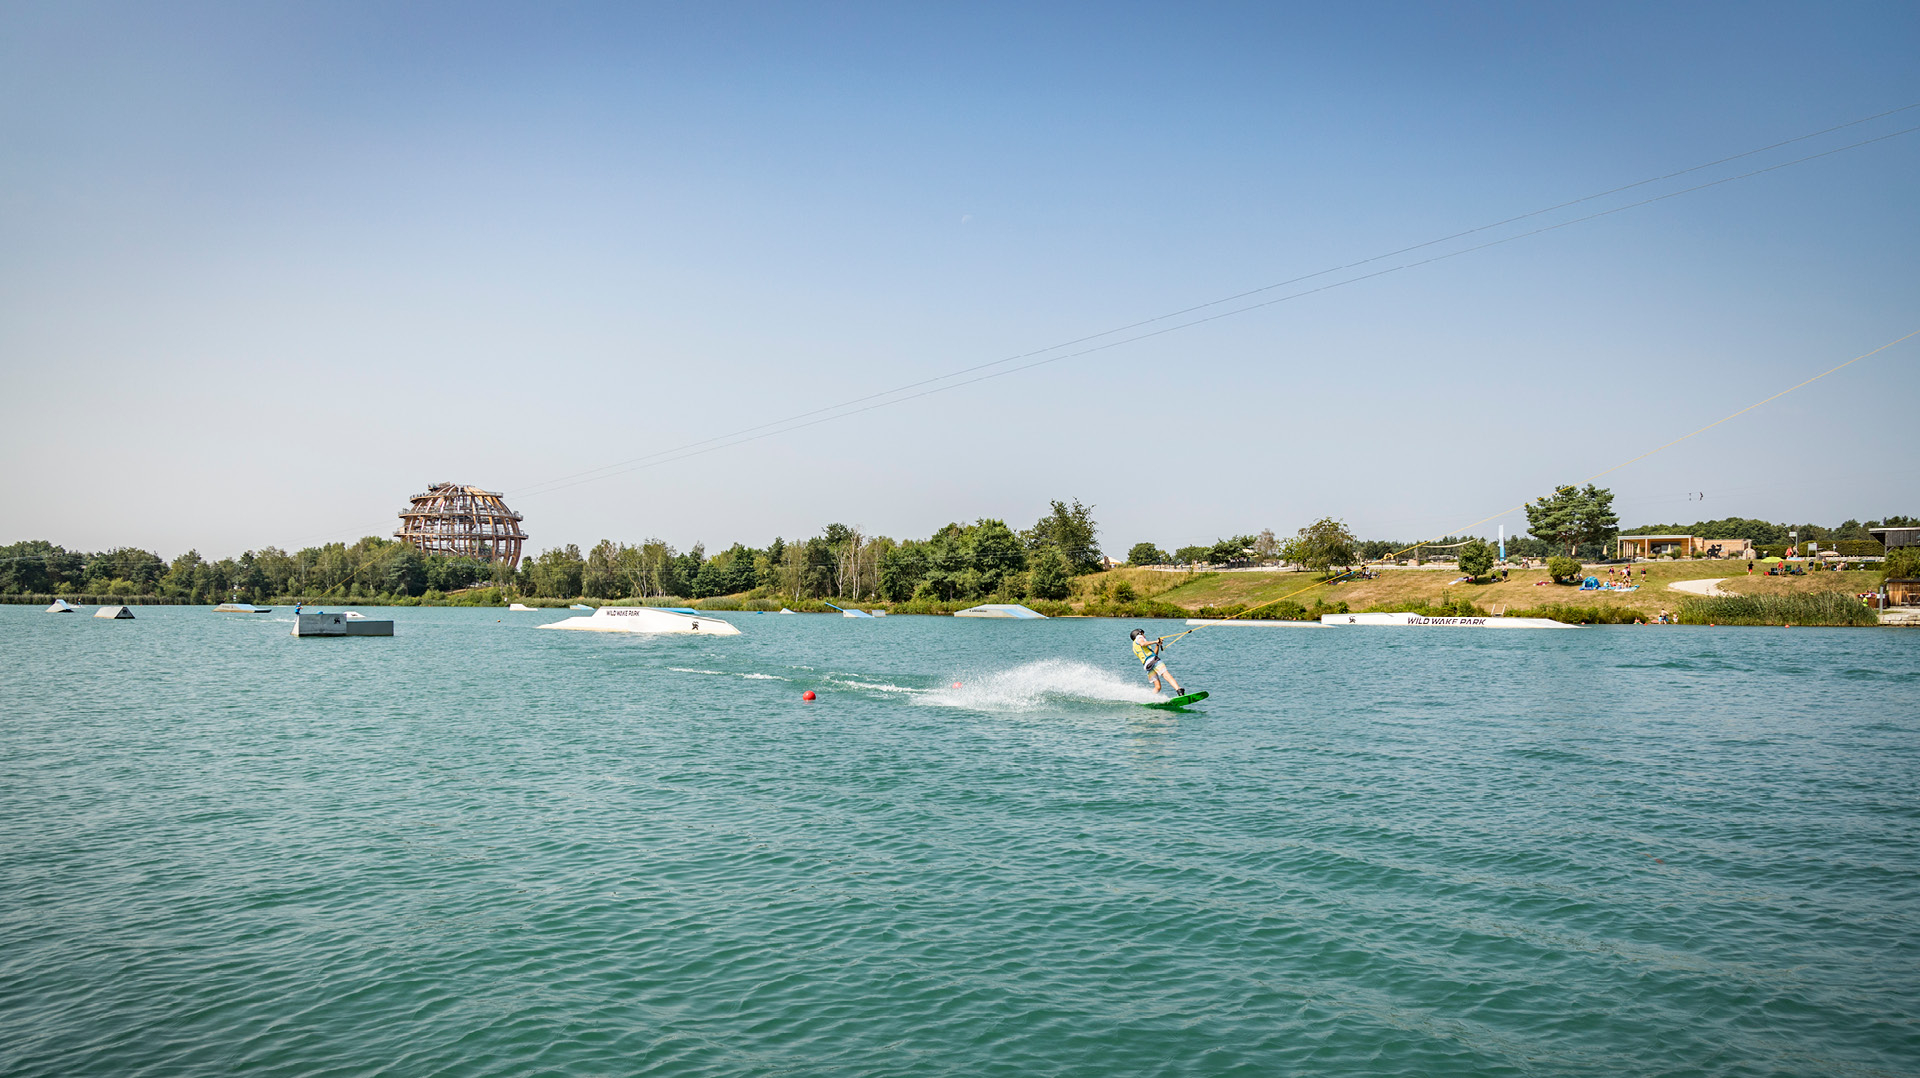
(372, 566)
(960, 562)
(986, 558)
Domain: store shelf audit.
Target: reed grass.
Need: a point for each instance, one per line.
(1817, 608)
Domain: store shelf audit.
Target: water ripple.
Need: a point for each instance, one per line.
(476, 849)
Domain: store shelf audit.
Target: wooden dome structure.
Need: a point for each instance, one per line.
(465, 522)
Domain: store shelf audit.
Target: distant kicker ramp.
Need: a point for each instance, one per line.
(1420, 621)
(1262, 622)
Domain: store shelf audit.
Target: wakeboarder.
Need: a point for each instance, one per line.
(1148, 652)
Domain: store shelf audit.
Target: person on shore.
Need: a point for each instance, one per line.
(1148, 652)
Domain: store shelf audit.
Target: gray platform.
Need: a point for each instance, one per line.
(340, 625)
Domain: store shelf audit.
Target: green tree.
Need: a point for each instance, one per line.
(139, 569)
(1187, 555)
(996, 553)
(556, 573)
(406, 572)
(1375, 549)
(1598, 522)
(36, 565)
(1050, 576)
(1476, 558)
(1146, 554)
(1563, 570)
(1321, 545)
(602, 578)
(1573, 515)
(1069, 529)
(1556, 519)
(901, 570)
(180, 575)
(1232, 549)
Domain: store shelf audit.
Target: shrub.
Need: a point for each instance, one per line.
(1476, 558)
(1123, 592)
(1902, 562)
(1564, 570)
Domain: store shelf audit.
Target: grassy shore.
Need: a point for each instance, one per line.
(1128, 592)
(1415, 589)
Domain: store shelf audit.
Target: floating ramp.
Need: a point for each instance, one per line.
(1272, 623)
(61, 606)
(998, 610)
(242, 608)
(120, 612)
(646, 619)
(1421, 621)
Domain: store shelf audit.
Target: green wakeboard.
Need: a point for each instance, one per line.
(1178, 701)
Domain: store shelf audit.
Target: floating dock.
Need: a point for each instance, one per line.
(345, 623)
(242, 608)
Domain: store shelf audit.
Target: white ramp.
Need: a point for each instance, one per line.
(646, 619)
(1267, 622)
(1420, 621)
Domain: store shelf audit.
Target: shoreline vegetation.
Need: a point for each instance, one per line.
(1054, 567)
(1821, 597)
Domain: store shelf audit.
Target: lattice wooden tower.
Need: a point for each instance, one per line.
(466, 522)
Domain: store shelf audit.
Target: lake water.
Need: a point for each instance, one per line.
(480, 849)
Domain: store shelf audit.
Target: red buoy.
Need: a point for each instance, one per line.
(808, 695)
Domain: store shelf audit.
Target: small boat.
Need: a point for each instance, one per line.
(61, 606)
(646, 619)
(242, 608)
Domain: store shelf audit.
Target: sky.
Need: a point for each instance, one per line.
(266, 270)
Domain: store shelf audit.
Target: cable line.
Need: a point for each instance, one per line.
(1594, 476)
(880, 399)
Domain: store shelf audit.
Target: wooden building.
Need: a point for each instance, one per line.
(1687, 546)
(1893, 538)
(465, 522)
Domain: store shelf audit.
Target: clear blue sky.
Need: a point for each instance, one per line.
(266, 270)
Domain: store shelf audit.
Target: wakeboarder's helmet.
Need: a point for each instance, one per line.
(1136, 632)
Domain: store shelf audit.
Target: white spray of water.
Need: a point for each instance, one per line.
(1036, 685)
(723, 673)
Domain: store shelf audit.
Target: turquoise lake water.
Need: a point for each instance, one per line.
(481, 849)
